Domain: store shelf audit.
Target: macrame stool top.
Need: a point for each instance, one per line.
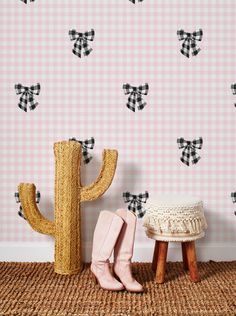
(175, 218)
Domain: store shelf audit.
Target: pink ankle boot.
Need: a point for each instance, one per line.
(106, 232)
(123, 252)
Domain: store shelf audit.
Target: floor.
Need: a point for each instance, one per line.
(34, 289)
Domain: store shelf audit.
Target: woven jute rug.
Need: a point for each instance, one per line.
(34, 289)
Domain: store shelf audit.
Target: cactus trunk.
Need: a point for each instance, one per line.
(67, 209)
(69, 193)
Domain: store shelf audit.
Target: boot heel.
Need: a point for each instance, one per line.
(116, 276)
(94, 279)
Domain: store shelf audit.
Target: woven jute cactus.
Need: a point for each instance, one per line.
(69, 193)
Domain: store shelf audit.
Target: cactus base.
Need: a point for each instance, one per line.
(69, 272)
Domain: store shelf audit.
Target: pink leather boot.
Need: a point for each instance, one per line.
(106, 232)
(123, 252)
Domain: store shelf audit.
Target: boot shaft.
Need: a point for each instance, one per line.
(106, 232)
(125, 244)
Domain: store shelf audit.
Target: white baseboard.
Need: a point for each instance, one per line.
(44, 251)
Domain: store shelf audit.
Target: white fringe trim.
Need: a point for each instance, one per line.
(174, 238)
(191, 226)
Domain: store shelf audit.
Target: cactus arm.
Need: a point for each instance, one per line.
(104, 179)
(37, 221)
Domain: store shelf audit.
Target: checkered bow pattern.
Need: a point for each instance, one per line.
(27, 96)
(133, 1)
(135, 95)
(17, 198)
(81, 42)
(86, 144)
(233, 196)
(135, 202)
(189, 151)
(233, 88)
(189, 41)
(25, 1)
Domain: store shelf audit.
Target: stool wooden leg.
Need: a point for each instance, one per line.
(185, 260)
(192, 261)
(161, 262)
(155, 256)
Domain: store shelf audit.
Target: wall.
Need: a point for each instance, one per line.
(83, 97)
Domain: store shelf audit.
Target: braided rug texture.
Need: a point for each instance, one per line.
(34, 289)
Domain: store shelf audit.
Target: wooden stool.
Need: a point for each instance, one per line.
(189, 260)
(178, 219)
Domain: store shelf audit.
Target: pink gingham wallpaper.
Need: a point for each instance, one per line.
(83, 97)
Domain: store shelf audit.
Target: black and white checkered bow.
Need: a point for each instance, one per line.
(86, 144)
(81, 41)
(135, 202)
(17, 197)
(189, 151)
(27, 95)
(233, 196)
(25, 1)
(133, 1)
(233, 88)
(135, 95)
(190, 41)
